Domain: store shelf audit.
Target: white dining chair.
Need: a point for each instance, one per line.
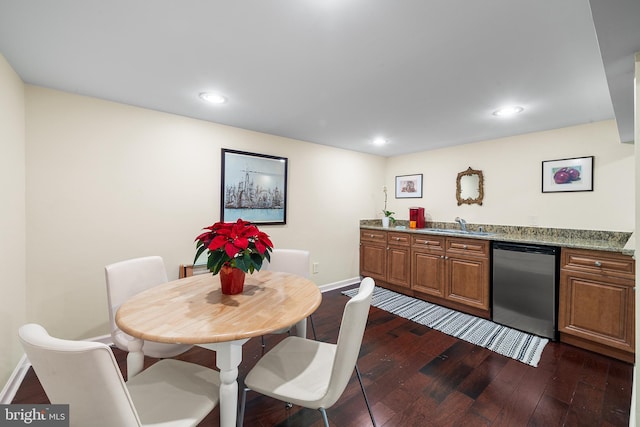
(314, 374)
(294, 261)
(125, 279)
(85, 375)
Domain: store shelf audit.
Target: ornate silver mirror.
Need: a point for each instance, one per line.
(470, 187)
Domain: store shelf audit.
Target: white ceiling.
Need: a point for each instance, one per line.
(422, 73)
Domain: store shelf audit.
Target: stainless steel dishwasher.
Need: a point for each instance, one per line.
(525, 287)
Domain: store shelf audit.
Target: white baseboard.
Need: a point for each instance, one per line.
(340, 284)
(13, 384)
(11, 387)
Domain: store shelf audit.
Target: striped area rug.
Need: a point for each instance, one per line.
(523, 347)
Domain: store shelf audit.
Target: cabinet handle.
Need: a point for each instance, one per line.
(598, 264)
(396, 238)
(464, 246)
(371, 236)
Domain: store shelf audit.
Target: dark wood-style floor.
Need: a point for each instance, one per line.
(416, 376)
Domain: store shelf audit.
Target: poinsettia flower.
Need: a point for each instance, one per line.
(238, 244)
(231, 250)
(241, 243)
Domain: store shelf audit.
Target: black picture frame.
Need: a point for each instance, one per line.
(567, 175)
(253, 187)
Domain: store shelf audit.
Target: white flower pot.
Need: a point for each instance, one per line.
(385, 221)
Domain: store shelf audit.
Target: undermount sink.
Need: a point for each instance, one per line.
(455, 231)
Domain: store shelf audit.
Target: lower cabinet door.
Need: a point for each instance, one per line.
(373, 261)
(597, 309)
(428, 273)
(399, 266)
(467, 282)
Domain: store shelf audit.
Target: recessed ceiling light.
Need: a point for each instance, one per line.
(379, 141)
(213, 98)
(508, 111)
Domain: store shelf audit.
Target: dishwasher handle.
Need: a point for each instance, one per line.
(523, 247)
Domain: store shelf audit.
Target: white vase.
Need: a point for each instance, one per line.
(385, 221)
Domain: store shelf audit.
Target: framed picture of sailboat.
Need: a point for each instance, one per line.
(254, 187)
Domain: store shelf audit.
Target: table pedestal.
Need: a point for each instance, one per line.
(228, 358)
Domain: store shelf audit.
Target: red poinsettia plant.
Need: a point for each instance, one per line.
(236, 244)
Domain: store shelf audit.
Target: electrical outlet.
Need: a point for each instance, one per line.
(315, 267)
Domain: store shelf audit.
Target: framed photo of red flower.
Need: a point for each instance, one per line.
(254, 187)
(564, 175)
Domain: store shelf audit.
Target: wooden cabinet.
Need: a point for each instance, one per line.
(428, 266)
(384, 256)
(468, 272)
(399, 259)
(454, 271)
(449, 271)
(373, 254)
(596, 297)
(596, 305)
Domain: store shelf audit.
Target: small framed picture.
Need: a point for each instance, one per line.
(409, 186)
(564, 175)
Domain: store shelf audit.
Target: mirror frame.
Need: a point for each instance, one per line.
(470, 201)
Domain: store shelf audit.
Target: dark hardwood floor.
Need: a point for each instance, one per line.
(416, 376)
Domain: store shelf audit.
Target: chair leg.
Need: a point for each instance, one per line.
(243, 402)
(313, 328)
(324, 417)
(364, 393)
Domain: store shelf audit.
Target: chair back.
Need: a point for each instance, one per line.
(354, 321)
(294, 261)
(83, 374)
(127, 278)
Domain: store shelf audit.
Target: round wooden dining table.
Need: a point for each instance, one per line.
(193, 310)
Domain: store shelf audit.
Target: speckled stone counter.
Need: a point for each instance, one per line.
(612, 241)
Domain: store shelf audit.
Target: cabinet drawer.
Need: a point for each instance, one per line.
(401, 239)
(468, 247)
(427, 243)
(373, 236)
(600, 262)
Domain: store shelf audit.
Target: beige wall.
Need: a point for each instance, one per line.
(106, 182)
(512, 173)
(12, 217)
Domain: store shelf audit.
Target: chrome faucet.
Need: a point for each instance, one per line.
(462, 222)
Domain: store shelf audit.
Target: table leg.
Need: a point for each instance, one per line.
(135, 358)
(228, 358)
(301, 328)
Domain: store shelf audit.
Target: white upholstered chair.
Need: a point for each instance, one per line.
(294, 261)
(85, 375)
(314, 374)
(127, 278)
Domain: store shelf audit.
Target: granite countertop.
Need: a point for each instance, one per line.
(612, 241)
